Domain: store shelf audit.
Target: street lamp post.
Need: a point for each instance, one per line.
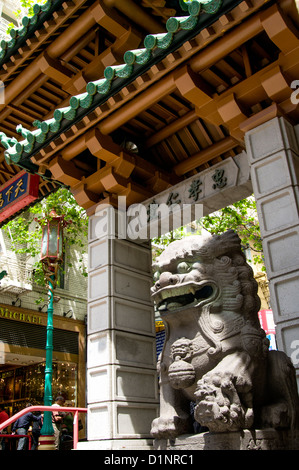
(51, 257)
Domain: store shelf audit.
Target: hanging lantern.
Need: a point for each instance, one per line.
(52, 240)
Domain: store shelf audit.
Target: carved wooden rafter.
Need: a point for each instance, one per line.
(231, 109)
(113, 177)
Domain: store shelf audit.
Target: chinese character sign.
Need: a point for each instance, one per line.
(18, 193)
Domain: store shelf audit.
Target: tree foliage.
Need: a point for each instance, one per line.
(27, 6)
(240, 217)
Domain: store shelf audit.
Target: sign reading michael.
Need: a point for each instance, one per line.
(18, 193)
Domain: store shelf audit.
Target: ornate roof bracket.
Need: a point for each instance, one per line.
(113, 177)
(102, 146)
(84, 197)
(279, 29)
(65, 171)
(193, 87)
(235, 107)
(232, 114)
(108, 19)
(53, 68)
(276, 85)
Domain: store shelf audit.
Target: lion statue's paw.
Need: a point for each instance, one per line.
(163, 428)
(218, 405)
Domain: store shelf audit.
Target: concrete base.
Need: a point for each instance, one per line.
(117, 444)
(266, 439)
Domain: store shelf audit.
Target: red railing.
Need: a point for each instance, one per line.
(17, 436)
(68, 409)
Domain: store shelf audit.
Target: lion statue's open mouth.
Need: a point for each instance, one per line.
(189, 294)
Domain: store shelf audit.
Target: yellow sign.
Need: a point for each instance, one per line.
(159, 325)
(21, 316)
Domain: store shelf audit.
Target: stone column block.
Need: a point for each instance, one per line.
(288, 337)
(279, 210)
(281, 252)
(284, 294)
(120, 383)
(119, 253)
(269, 138)
(274, 173)
(120, 347)
(273, 154)
(125, 315)
(115, 281)
(119, 420)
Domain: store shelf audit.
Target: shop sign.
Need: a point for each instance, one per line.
(159, 325)
(160, 340)
(267, 321)
(20, 316)
(18, 193)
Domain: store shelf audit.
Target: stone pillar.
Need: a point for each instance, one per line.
(274, 157)
(122, 386)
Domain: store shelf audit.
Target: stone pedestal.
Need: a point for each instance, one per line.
(122, 386)
(273, 154)
(266, 439)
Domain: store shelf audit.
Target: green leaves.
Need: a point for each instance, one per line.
(25, 230)
(240, 217)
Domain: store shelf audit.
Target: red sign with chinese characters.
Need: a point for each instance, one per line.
(18, 193)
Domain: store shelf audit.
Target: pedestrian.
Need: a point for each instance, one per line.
(57, 420)
(36, 427)
(3, 417)
(21, 426)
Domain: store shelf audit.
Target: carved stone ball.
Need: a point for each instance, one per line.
(181, 374)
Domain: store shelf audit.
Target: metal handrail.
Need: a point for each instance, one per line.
(68, 409)
(17, 436)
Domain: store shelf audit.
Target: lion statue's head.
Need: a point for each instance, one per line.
(206, 269)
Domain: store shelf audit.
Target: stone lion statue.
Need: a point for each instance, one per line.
(215, 354)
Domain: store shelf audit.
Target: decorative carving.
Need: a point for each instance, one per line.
(181, 373)
(215, 353)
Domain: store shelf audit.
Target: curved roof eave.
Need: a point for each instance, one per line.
(202, 13)
(30, 24)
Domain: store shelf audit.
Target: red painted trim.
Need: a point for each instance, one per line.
(27, 197)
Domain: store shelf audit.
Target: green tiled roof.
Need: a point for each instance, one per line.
(30, 24)
(136, 62)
